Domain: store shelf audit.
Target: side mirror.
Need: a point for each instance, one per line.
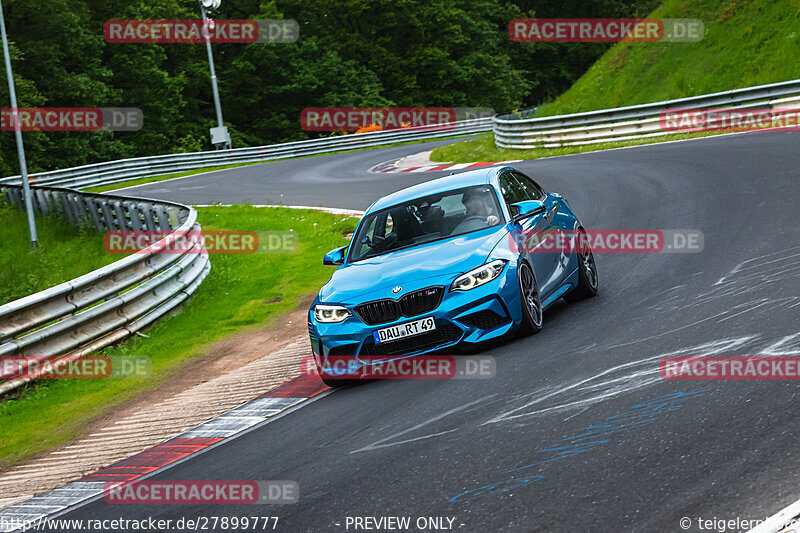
(525, 209)
(334, 257)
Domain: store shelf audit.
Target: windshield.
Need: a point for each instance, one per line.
(426, 219)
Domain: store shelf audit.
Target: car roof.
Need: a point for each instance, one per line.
(454, 181)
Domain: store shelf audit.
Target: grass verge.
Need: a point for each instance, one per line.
(65, 252)
(241, 291)
(745, 43)
(483, 148)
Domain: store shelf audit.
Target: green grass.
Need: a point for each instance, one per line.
(483, 148)
(65, 252)
(235, 295)
(746, 43)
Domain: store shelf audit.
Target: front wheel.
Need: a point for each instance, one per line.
(587, 271)
(336, 383)
(532, 314)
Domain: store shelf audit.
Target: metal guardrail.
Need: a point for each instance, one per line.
(102, 307)
(630, 122)
(127, 169)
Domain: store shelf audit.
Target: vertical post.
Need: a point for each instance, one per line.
(23, 166)
(214, 88)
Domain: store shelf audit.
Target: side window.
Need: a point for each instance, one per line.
(511, 189)
(363, 247)
(532, 190)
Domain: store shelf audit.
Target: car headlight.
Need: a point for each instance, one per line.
(479, 276)
(330, 313)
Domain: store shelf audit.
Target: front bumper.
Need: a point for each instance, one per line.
(473, 316)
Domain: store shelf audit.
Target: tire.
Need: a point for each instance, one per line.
(587, 272)
(333, 382)
(336, 383)
(532, 313)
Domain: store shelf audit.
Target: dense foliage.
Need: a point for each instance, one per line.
(350, 53)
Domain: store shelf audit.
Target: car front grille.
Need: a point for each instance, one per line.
(412, 304)
(378, 312)
(418, 302)
(445, 333)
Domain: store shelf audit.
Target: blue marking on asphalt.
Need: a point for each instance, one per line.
(638, 415)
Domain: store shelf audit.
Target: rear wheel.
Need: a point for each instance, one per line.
(587, 271)
(532, 313)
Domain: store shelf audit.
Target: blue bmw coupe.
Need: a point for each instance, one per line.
(449, 261)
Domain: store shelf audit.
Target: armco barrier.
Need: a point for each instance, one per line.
(127, 169)
(102, 307)
(631, 122)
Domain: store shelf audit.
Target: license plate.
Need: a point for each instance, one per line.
(409, 329)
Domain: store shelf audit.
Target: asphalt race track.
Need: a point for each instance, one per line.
(577, 431)
(338, 180)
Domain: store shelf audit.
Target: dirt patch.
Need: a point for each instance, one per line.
(220, 358)
(230, 372)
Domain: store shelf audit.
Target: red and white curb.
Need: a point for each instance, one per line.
(390, 167)
(234, 423)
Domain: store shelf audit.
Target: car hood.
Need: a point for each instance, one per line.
(433, 263)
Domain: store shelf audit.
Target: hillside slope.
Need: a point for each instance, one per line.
(746, 42)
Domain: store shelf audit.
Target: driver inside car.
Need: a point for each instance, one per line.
(476, 206)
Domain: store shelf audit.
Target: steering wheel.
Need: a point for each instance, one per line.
(468, 224)
(384, 243)
(389, 241)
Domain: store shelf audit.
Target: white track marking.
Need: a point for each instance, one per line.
(642, 373)
(772, 350)
(379, 443)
